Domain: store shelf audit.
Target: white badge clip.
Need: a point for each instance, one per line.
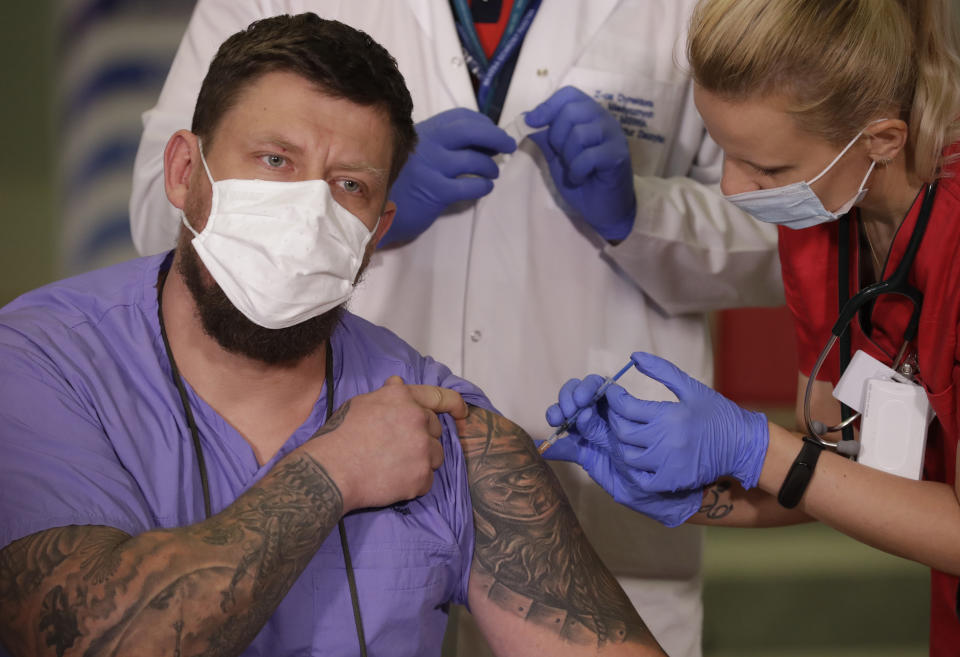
(896, 413)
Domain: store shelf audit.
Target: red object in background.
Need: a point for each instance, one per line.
(756, 356)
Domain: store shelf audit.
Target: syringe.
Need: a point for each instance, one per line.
(569, 422)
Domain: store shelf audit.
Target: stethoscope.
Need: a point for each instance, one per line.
(896, 283)
(202, 466)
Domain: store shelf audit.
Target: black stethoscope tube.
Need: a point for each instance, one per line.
(895, 284)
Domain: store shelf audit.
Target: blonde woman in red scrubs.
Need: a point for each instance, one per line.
(838, 120)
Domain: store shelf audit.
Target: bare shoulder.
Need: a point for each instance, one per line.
(533, 568)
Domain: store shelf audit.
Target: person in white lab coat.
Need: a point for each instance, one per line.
(488, 285)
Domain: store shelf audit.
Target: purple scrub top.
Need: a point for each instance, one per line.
(92, 431)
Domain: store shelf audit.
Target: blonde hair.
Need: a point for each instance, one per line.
(840, 64)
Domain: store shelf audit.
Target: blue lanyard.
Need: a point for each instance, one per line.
(504, 52)
(488, 73)
(468, 35)
(515, 15)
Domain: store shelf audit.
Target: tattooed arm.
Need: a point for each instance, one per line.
(727, 504)
(208, 588)
(536, 585)
(203, 589)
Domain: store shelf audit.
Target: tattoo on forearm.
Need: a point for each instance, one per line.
(59, 619)
(717, 502)
(104, 593)
(531, 552)
(178, 638)
(335, 420)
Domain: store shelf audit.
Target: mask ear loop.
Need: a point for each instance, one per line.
(861, 188)
(834, 161)
(183, 220)
(842, 153)
(203, 160)
(206, 169)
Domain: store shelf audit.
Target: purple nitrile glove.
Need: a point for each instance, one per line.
(688, 443)
(452, 162)
(592, 444)
(589, 160)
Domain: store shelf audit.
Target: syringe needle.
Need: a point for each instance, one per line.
(561, 431)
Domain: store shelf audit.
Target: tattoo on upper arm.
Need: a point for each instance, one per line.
(57, 584)
(717, 501)
(531, 554)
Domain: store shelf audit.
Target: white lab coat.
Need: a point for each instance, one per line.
(515, 292)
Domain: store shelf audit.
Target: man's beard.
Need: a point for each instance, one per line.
(235, 333)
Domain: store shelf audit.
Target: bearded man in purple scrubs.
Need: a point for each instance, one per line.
(171, 473)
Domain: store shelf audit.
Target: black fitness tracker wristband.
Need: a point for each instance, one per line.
(799, 474)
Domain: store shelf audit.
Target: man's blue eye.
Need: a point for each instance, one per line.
(275, 160)
(351, 185)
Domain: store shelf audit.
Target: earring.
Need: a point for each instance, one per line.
(883, 161)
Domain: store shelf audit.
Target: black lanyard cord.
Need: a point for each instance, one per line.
(843, 284)
(354, 598)
(345, 547)
(202, 465)
(178, 380)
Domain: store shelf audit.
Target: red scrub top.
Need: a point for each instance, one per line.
(809, 262)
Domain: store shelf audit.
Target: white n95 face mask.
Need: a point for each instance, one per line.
(282, 252)
(796, 205)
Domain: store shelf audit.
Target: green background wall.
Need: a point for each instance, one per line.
(27, 183)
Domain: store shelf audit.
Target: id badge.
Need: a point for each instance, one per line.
(896, 414)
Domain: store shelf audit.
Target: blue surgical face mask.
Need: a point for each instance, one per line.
(796, 205)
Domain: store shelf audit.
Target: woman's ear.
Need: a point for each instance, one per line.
(886, 139)
(179, 159)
